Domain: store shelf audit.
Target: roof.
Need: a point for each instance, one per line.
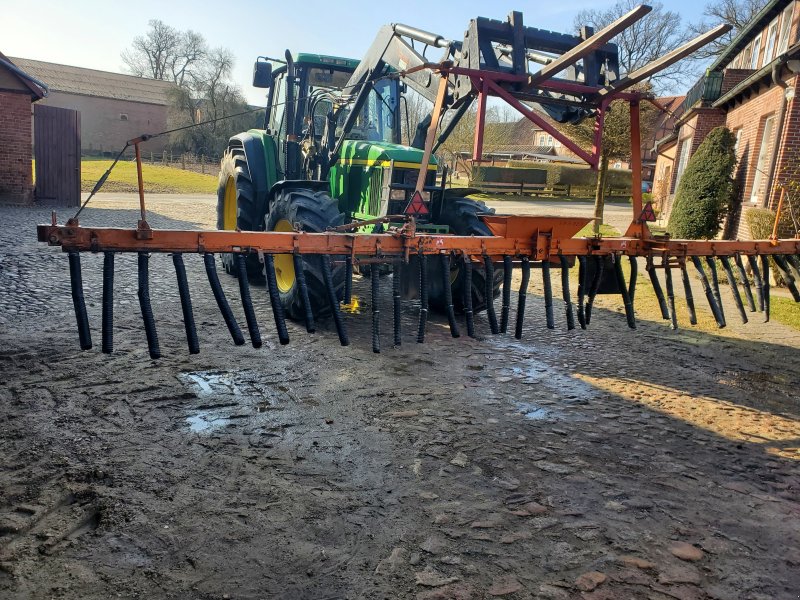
(756, 77)
(102, 84)
(38, 89)
(761, 20)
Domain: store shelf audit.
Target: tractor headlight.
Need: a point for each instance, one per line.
(397, 194)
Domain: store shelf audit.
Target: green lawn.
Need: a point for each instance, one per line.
(157, 179)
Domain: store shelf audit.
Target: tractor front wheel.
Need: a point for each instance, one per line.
(237, 207)
(461, 215)
(305, 210)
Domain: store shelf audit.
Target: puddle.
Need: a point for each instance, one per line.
(207, 383)
(205, 422)
(534, 412)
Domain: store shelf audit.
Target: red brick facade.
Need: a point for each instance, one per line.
(16, 179)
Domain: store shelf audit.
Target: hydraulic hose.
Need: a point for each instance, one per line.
(222, 301)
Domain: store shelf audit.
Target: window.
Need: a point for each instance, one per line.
(786, 26)
(744, 63)
(738, 139)
(686, 147)
(756, 52)
(772, 38)
(759, 180)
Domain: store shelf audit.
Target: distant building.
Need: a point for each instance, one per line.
(752, 89)
(114, 107)
(18, 90)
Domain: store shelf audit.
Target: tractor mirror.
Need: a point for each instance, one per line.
(262, 74)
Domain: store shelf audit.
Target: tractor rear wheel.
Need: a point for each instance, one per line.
(461, 215)
(237, 207)
(305, 210)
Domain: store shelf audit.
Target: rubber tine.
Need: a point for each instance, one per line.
(737, 299)
(222, 301)
(147, 309)
(630, 316)
(247, 301)
(788, 277)
(712, 267)
(748, 293)
(712, 303)
(348, 280)
(565, 293)
(757, 281)
(599, 266)
(327, 275)
(634, 278)
(765, 271)
(186, 304)
(448, 295)
(467, 299)
(275, 299)
(489, 294)
(672, 313)
(523, 296)
(687, 290)
(376, 310)
(423, 297)
(397, 277)
(302, 287)
(508, 271)
(108, 303)
(548, 295)
(78, 301)
(662, 303)
(582, 285)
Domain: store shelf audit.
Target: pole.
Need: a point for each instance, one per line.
(637, 228)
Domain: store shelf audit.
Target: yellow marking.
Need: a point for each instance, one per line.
(229, 208)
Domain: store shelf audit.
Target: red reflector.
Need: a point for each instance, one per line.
(648, 214)
(417, 205)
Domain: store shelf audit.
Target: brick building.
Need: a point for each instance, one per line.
(751, 89)
(114, 107)
(18, 90)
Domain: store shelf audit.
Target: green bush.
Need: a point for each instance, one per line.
(706, 189)
(761, 221)
(556, 174)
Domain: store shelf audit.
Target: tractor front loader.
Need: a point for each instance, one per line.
(327, 187)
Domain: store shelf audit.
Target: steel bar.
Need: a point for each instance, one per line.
(737, 299)
(523, 295)
(566, 295)
(599, 266)
(222, 301)
(548, 295)
(467, 299)
(508, 270)
(488, 269)
(748, 293)
(758, 281)
(765, 290)
(687, 290)
(302, 288)
(657, 290)
(712, 269)
(788, 277)
(423, 297)
(583, 274)
(108, 303)
(712, 302)
(145, 306)
(186, 304)
(247, 301)
(630, 317)
(672, 313)
(78, 301)
(634, 277)
(376, 309)
(448, 295)
(397, 274)
(275, 299)
(333, 299)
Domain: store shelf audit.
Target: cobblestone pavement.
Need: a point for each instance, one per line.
(590, 464)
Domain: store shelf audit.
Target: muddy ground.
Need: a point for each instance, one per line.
(588, 464)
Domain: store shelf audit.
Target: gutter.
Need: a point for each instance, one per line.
(20, 73)
(776, 68)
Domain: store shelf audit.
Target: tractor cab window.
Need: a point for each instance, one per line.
(377, 121)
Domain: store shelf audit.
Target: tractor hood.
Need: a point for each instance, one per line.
(381, 154)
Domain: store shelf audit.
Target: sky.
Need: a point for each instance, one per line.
(92, 33)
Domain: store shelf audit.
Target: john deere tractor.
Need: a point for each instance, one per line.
(330, 152)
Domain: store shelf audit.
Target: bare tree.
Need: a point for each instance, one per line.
(737, 13)
(646, 40)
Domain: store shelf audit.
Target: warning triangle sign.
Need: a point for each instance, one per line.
(648, 214)
(417, 205)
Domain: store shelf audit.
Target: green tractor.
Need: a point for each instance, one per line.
(324, 159)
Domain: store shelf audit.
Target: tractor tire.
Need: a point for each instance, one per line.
(237, 208)
(461, 215)
(305, 210)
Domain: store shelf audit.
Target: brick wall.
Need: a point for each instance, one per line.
(733, 77)
(16, 179)
(102, 127)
